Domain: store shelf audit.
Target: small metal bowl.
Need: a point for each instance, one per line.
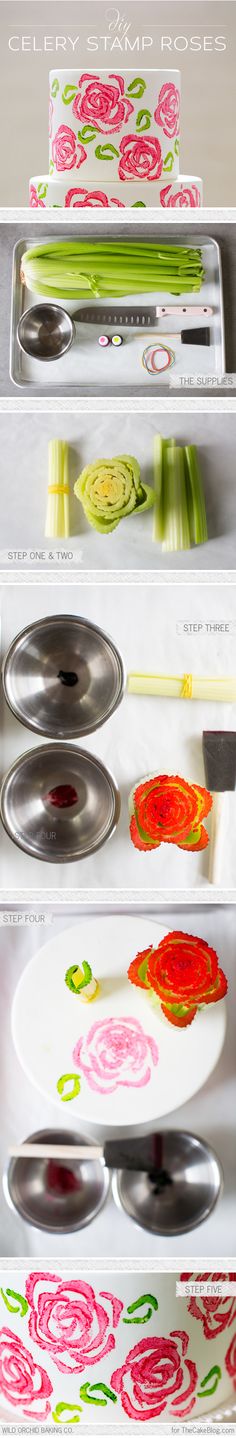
(181, 1194)
(59, 835)
(56, 1196)
(62, 677)
(46, 332)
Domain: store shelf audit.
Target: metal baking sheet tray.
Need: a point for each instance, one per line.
(87, 368)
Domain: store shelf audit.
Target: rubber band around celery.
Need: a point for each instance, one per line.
(142, 1317)
(68, 1078)
(187, 687)
(22, 1305)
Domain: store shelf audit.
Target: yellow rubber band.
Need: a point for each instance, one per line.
(187, 687)
(58, 489)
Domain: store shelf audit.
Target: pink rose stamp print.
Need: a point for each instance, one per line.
(22, 1382)
(215, 1314)
(230, 1361)
(34, 199)
(82, 199)
(66, 153)
(168, 109)
(102, 103)
(157, 1374)
(69, 1323)
(116, 1053)
(188, 197)
(140, 158)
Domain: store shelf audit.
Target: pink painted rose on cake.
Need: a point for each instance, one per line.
(116, 1052)
(67, 1320)
(157, 1373)
(215, 1313)
(23, 1383)
(167, 113)
(140, 158)
(102, 103)
(67, 154)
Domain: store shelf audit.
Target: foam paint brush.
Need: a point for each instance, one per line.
(219, 755)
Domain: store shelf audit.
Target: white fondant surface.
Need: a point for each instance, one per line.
(49, 1021)
(175, 1349)
(123, 123)
(69, 192)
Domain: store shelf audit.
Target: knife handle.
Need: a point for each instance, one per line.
(183, 310)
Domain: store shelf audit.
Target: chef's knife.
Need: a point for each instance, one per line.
(219, 754)
(140, 317)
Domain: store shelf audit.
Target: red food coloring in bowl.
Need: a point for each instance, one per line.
(62, 797)
(61, 1179)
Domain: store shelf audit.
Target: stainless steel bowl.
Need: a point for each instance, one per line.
(182, 1192)
(57, 1196)
(59, 835)
(62, 677)
(46, 332)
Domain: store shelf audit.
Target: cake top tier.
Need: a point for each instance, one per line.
(122, 125)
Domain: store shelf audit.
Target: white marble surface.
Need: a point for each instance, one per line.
(211, 1114)
(144, 735)
(24, 476)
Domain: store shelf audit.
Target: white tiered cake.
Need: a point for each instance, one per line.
(114, 141)
(114, 1348)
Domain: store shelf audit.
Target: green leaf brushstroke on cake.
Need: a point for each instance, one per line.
(21, 1305)
(61, 1084)
(148, 1298)
(214, 1374)
(143, 121)
(136, 88)
(168, 162)
(106, 152)
(69, 94)
(87, 133)
(88, 1389)
(62, 1408)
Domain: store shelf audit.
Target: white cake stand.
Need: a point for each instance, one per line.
(49, 1021)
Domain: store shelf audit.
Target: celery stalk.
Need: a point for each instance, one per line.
(176, 534)
(195, 496)
(76, 269)
(57, 525)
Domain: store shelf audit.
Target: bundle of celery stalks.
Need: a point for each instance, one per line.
(79, 269)
(110, 490)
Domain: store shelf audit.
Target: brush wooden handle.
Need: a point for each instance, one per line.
(219, 810)
(56, 1150)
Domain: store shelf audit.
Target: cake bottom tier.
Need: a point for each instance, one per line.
(113, 1349)
(64, 192)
